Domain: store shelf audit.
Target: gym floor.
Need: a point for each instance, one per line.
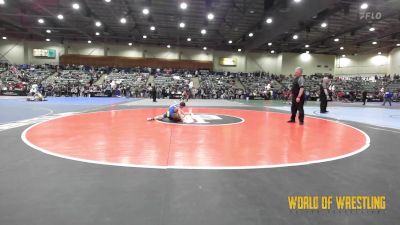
(98, 161)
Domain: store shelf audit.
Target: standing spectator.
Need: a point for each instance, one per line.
(298, 96)
(154, 92)
(163, 92)
(388, 98)
(324, 95)
(364, 97)
(108, 90)
(91, 81)
(136, 92)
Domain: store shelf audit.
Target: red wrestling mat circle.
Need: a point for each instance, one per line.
(262, 140)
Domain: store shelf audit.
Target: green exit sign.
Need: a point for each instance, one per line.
(51, 53)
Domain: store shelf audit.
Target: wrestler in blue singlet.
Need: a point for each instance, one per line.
(171, 111)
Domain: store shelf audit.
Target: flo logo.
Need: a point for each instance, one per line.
(370, 15)
(207, 120)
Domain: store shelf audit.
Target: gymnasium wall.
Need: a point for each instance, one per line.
(19, 52)
(121, 61)
(240, 61)
(195, 54)
(125, 51)
(165, 53)
(364, 64)
(29, 46)
(264, 62)
(394, 61)
(12, 51)
(85, 49)
(311, 63)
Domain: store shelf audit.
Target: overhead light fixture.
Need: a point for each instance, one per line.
(251, 34)
(75, 6)
(168, 46)
(41, 21)
(342, 48)
(239, 50)
(122, 20)
(47, 39)
(97, 33)
(4, 38)
(372, 29)
(323, 25)
(203, 31)
(269, 20)
(364, 6)
(188, 39)
(182, 24)
(60, 17)
(204, 48)
(153, 28)
(108, 1)
(307, 46)
(270, 43)
(379, 53)
(90, 42)
(183, 5)
(336, 39)
(144, 36)
(130, 43)
(398, 45)
(343, 56)
(297, 0)
(230, 41)
(48, 31)
(145, 11)
(210, 16)
(98, 24)
(272, 52)
(307, 52)
(2, 2)
(374, 42)
(295, 37)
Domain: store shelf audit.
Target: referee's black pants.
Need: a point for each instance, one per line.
(323, 103)
(297, 107)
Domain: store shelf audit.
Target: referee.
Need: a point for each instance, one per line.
(298, 96)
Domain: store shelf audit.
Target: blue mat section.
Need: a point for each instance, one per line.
(69, 101)
(83, 101)
(382, 117)
(13, 113)
(20, 109)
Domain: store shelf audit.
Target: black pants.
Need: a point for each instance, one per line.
(364, 100)
(154, 95)
(298, 107)
(323, 103)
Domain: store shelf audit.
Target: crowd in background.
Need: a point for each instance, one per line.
(87, 81)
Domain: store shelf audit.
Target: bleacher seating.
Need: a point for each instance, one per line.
(128, 79)
(218, 86)
(81, 81)
(17, 81)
